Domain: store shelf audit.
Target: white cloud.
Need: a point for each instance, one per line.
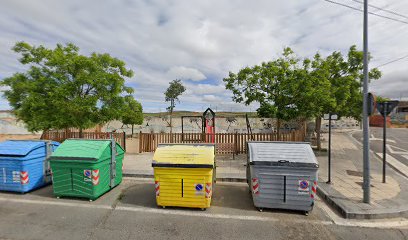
(185, 73)
(200, 89)
(212, 98)
(201, 41)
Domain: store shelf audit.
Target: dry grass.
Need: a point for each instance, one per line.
(4, 137)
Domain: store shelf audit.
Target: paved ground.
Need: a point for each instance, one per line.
(387, 199)
(397, 142)
(345, 192)
(129, 212)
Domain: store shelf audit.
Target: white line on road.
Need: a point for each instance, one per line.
(392, 148)
(55, 203)
(372, 138)
(398, 223)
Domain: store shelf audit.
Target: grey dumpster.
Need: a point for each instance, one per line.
(282, 175)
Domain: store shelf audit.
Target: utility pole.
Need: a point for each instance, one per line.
(366, 143)
(329, 169)
(385, 142)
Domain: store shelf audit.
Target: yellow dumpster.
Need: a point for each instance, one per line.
(184, 175)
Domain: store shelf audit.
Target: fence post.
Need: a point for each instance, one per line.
(236, 143)
(152, 142)
(124, 141)
(140, 142)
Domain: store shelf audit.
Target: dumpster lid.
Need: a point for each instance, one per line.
(184, 155)
(83, 149)
(281, 153)
(21, 147)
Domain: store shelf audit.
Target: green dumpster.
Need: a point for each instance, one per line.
(86, 168)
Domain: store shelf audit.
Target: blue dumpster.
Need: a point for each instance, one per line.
(24, 165)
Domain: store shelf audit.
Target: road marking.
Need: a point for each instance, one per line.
(195, 214)
(379, 139)
(55, 203)
(401, 150)
(389, 223)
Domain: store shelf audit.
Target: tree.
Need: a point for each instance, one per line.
(63, 89)
(132, 112)
(289, 88)
(381, 99)
(230, 120)
(172, 94)
(283, 87)
(345, 75)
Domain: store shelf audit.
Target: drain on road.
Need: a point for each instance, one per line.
(354, 173)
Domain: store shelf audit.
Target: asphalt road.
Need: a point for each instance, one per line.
(129, 212)
(397, 142)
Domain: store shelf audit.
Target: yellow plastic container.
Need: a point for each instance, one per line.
(184, 175)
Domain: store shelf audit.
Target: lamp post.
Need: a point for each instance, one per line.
(366, 143)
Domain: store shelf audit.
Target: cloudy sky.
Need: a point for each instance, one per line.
(201, 41)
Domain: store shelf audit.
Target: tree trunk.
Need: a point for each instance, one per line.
(132, 129)
(66, 133)
(278, 129)
(317, 130)
(171, 115)
(81, 134)
(171, 121)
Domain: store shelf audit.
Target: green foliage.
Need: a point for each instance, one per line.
(132, 112)
(173, 92)
(288, 87)
(382, 99)
(346, 76)
(63, 89)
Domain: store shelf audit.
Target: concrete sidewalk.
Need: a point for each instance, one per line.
(345, 193)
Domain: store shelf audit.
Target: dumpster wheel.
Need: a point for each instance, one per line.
(260, 209)
(306, 213)
(203, 209)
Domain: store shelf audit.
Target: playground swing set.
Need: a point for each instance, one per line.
(205, 125)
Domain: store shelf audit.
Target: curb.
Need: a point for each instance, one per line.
(392, 166)
(358, 215)
(137, 175)
(325, 196)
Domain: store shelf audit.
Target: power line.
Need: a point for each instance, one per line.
(375, 14)
(382, 9)
(392, 61)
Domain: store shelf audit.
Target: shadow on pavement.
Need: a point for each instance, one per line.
(142, 195)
